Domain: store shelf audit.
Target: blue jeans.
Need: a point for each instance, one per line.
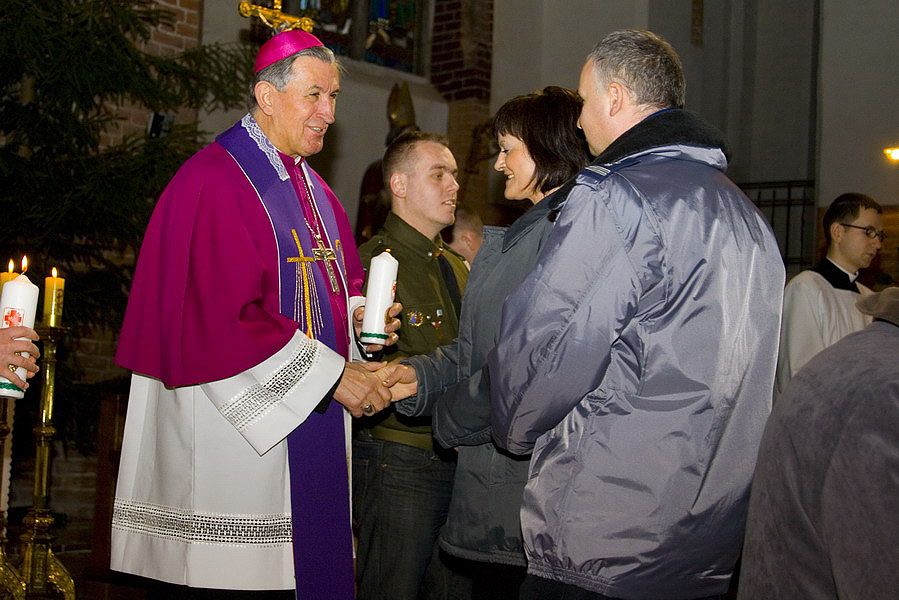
(401, 495)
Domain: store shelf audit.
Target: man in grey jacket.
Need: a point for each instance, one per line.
(824, 515)
(637, 360)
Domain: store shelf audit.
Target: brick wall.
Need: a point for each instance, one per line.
(461, 56)
(164, 41)
(462, 49)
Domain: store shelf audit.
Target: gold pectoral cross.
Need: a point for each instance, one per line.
(327, 256)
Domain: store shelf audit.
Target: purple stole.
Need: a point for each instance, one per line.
(319, 484)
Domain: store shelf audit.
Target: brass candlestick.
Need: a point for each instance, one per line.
(11, 583)
(39, 566)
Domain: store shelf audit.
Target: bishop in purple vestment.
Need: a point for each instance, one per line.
(238, 331)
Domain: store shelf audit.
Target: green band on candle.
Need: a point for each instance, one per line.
(5, 385)
(380, 336)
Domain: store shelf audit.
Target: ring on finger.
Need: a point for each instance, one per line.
(368, 410)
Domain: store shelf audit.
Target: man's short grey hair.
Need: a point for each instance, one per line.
(279, 74)
(644, 63)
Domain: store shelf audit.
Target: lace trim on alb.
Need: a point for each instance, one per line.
(253, 403)
(200, 527)
(252, 127)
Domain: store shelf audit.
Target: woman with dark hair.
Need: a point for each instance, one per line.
(541, 148)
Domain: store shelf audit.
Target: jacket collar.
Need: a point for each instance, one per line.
(545, 209)
(667, 127)
(410, 238)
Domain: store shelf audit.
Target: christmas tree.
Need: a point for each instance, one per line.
(75, 193)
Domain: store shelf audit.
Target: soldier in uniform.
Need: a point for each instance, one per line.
(402, 481)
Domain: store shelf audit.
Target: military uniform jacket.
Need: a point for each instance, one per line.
(429, 319)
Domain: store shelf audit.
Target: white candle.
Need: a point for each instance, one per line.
(18, 305)
(378, 298)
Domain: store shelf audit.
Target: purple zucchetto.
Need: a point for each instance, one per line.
(286, 43)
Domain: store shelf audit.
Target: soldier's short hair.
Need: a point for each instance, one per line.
(399, 150)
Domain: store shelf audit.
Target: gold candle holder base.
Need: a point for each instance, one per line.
(42, 574)
(41, 570)
(11, 584)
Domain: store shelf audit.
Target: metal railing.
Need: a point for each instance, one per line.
(791, 210)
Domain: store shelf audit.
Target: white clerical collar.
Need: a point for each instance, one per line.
(852, 276)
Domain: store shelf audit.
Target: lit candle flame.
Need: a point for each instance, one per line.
(53, 270)
(24, 264)
(892, 153)
(12, 265)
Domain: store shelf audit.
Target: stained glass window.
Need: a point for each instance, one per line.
(391, 33)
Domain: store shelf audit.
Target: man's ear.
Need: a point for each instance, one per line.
(836, 232)
(617, 98)
(397, 184)
(265, 96)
